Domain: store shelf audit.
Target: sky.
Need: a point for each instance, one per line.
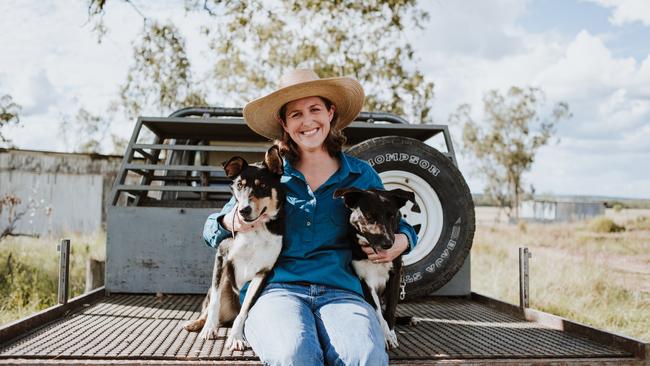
(593, 54)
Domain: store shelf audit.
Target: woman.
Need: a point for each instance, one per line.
(312, 311)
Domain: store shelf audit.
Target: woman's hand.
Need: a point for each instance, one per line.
(233, 223)
(385, 256)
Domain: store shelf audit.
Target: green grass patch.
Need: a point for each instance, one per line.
(29, 271)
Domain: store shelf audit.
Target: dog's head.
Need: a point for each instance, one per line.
(257, 186)
(375, 214)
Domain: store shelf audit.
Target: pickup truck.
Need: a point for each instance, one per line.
(158, 269)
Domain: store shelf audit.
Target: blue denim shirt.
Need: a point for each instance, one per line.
(315, 246)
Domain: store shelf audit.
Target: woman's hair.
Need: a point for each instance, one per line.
(333, 142)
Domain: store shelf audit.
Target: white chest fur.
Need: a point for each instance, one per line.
(374, 274)
(253, 251)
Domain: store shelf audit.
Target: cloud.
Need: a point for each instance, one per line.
(37, 94)
(627, 11)
(478, 28)
(608, 96)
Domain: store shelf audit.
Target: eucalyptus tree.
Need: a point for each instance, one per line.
(9, 115)
(504, 145)
(253, 42)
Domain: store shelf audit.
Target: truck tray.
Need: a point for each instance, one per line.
(145, 329)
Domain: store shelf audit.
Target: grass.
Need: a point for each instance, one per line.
(596, 278)
(29, 270)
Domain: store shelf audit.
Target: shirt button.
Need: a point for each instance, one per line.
(308, 223)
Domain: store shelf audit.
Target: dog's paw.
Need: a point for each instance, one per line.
(391, 340)
(208, 333)
(193, 325)
(236, 343)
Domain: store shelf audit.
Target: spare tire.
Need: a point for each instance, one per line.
(443, 215)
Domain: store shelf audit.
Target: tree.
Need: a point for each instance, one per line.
(254, 42)
(8, 115)
(506, 144)
(160, 77)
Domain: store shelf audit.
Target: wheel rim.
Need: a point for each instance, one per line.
(426, 217)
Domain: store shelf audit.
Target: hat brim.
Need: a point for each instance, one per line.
(262, 114)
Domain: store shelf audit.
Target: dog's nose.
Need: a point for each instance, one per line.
(245, 211)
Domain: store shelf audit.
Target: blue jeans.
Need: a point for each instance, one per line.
(292, 324)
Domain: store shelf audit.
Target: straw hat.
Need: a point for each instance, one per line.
(262, 115)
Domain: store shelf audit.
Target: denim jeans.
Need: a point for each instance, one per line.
(292, 324)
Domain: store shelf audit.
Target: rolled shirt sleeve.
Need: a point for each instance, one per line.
(213, 231)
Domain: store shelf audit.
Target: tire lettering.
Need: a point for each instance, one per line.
(451, 245)
(410, 278)
(412, 159)
(392, 157)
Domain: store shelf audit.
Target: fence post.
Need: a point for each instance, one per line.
(524, 295)
(94, 274)
(64, 270)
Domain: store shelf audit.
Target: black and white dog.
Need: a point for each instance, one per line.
(250, 255)
(374, 219)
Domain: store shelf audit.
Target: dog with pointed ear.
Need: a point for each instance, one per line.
(374, 220)
(375, 213)
(272, 161)
(251, 254)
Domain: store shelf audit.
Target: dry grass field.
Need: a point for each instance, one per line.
(577, 271)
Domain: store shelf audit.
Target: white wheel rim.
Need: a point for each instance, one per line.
(430, 216)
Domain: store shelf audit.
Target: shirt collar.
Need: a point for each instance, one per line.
(345, 168)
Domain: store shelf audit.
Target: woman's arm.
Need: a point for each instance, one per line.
(213, 231)
(221, 225)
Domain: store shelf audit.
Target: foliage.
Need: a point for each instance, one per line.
(640, 223)
(506, 144)
(604, 224)
(8, 115)
(87, 132)
(618, 207)
(29, 272)
(10, 202)
(160, 76)
(253, 42)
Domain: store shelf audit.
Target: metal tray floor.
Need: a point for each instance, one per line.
(145, 327)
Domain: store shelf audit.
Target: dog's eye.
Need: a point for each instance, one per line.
(263, 186)
(240, 185)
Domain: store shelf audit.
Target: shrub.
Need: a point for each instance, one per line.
(639, 223)
(604, 224)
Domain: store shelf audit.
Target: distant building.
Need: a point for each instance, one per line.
(559, 211)
(59, 192)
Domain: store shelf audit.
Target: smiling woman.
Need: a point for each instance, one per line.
(313, 297)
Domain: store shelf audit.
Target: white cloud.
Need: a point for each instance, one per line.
(627, 11)
(608, 96)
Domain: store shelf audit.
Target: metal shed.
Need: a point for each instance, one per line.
(559, 211)
(59, 192)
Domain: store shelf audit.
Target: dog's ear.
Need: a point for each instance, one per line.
(350, 195)
(234, 166)
(273, 160)
(400, 196)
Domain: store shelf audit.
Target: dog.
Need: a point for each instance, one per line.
(374, 220)
(248, 256)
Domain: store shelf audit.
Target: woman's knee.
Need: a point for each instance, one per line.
(304, 353)
(366, 354)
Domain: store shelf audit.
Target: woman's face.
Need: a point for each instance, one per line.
(307, 121)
